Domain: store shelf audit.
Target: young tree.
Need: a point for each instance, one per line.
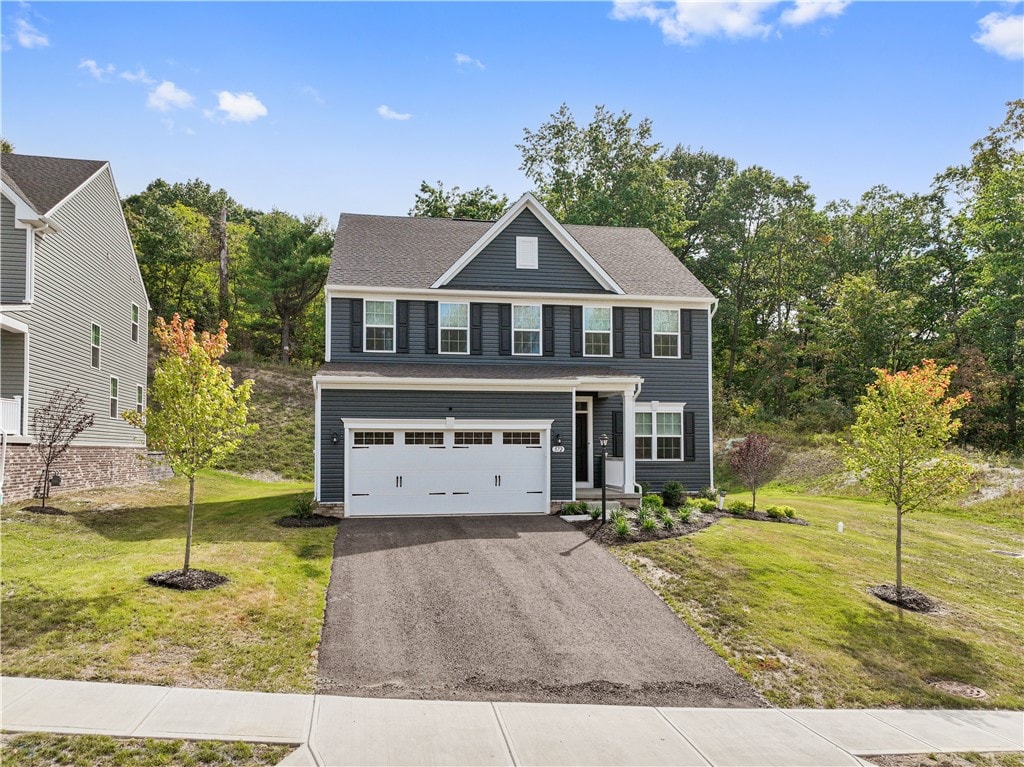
(755, 460)
(288, 261)
(196, 412)
(55, 426)
(903, 424)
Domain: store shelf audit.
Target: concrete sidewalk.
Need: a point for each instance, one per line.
(333, 730)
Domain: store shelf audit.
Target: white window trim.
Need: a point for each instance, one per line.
(98, 347)
(679, 334)
(140, 398)
(610, 332)
(441, 328)
(136, 326)
(527, 253)
(661, 407)
(115, 398)
(539, 331)
(393, 325)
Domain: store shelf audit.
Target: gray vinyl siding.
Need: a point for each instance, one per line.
(337, 404)
(494, 268)
(12, 364)
(88, 274)
(12, 256)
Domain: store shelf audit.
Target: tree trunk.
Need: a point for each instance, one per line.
(899, 556)
(45, 490)
(753, 500)
(191, 516)
(224, 297)
(286, 332)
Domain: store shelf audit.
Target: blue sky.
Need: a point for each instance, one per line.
(325, 107)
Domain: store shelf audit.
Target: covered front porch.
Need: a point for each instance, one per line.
(13, 376)
(605, 415)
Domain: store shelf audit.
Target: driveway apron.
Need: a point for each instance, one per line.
(521, 608)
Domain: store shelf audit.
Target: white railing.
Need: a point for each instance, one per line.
(10, 415)
(615, 472)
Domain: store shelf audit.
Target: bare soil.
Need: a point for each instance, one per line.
(912, 599)
(51, 510)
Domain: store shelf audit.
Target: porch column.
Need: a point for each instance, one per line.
(628, 438)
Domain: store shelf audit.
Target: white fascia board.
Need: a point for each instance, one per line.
(475, 384)
(557, 230)
(448, 424)
(127, 234)
(507, 296)
(9, 323)
(22, 210)
(79, 188)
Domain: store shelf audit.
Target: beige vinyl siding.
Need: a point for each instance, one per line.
(12, 256)
(88, 274)
(12, 364)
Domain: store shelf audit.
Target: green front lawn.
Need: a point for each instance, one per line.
(788, 608)
(76, 604)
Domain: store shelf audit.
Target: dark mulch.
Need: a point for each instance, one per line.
(51, 510)
(606, 535)
(912, 600)
(317, 520)
(193, 580)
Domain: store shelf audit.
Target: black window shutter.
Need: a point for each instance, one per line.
(617, 433)
(505, 329)
(356, 324)
(686, 333)
(476, 342)
(431, 328)
(689, 447)
(645, 332)
(575, 331)
(402, 327)
(548, 342)
(618, 332)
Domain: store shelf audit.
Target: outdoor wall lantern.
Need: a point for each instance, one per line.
(558, 440)
(334, 438)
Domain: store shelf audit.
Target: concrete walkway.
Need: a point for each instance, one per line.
(333, 730)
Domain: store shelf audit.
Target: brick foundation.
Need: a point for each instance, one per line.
(80, 468)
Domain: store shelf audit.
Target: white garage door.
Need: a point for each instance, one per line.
(462, 470)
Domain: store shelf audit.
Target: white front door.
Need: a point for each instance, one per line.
(440, 471)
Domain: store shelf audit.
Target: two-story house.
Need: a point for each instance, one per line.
(472, 367)
(73, 311)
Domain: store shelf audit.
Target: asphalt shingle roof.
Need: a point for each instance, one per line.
(410, 252)
(44, 181)
(482, 372)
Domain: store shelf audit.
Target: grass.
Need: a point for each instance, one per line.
(76, 604)
(43, 750)
(787, 606)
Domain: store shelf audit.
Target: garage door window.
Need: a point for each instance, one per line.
(431, 438)
(529, 438)
(473, 438)
(367, 438)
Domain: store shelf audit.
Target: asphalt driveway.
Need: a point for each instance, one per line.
(505, 608)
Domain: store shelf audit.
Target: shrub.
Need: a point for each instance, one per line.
(575, 507)
(616, 514)
(622, 526)
(667, 520)
(303, 506)
(774, 512)
(710, 493)
(648, 523)
(644, 512)
(789, 511)
(672, 494)
(739, 507)
(701, 504)
(684, 514)
(594, 511)
(652, 503)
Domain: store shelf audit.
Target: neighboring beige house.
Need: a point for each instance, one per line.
(73, 310)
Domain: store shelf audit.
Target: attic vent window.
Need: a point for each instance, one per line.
(526, 252)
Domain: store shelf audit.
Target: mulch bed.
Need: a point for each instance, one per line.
(912, 600)
(51, 510)
(606, 535)
(317, 520)
(193, 580)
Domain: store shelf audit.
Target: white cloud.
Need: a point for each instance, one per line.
(1003, 34)
(686, 23)
(94, 69)
(313, 93)
(167, 96)
(390, 114)
(240, 107)
(463, 60)
(29, 36)
(806, 11)
(137, 77)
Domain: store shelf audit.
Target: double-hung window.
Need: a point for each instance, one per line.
(379, 324)
(113, 397)
(95, 345)
(597, 331)
(140, 394)
(526, 325)
(659, 433)
(453, 327)
(665, 327)
(135, 322)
